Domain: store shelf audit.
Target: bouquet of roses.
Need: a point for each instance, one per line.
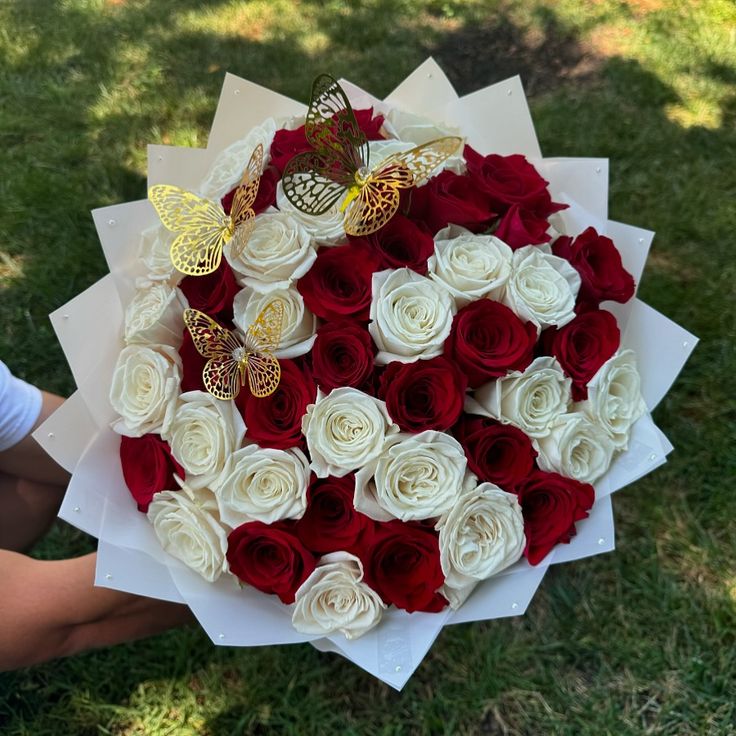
(367, 363)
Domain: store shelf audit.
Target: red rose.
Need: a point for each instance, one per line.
(582, 346)
(269, 557)
(451, 198)
(510, 180)
(499, 453)
(192, 364)
(598, 262)
(426, 394)
(276, 420)
(338, 285)
(342, 355)
(266, 196)
(551, 505)
(520, 227)
(488, 340)
(402, 564)
(287, 143)
(370, 125)
(331, 523)
(212, 294)
(148, 467)
(401, 242)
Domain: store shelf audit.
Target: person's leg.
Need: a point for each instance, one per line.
(32, 487)
(27, 510)
(51, 609)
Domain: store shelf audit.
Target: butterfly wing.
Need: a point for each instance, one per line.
(264, 374)
(223, 378)
(331, 127)
(241, 212)
(211, 339)
(264, 335)
(420, 161)
(261, 341)
(375, 204)
(241, 235)
(181, 210)
(196, 253)
(202, 226)
(247, 191)
(308, 188)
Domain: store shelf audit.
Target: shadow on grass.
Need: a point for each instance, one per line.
(545, 56)
(598, 630)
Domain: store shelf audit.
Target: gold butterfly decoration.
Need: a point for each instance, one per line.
(203, 227)
(232, 358)
(339, 165)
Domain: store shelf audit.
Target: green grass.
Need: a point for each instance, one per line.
(642, 641)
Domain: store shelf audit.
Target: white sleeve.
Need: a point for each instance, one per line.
(20, 405)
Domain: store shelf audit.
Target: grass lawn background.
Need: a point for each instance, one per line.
(641, 641)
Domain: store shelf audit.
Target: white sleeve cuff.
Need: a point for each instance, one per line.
(20, 406)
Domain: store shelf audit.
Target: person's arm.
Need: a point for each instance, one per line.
(52, 609)
(27, 459)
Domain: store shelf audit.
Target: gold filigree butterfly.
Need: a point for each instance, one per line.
(203, 227)
(232, 358)
(339, 165)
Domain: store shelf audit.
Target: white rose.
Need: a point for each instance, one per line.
(470, 266)
(203, 433)
(335, 598)
(325, 229)
(416, 477)
(457, 596)
(263, 484)
(542, 288)
(299, 326)
(576, 448)
(154, 315)
(411, 316)
(227, 169)
(614, 397)
(154, 251)
(144, 388)
(480, 536)
(417, 130)
(278, 251)
(532, 400)
(188, 527)
(381, 150)
(345, 430)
